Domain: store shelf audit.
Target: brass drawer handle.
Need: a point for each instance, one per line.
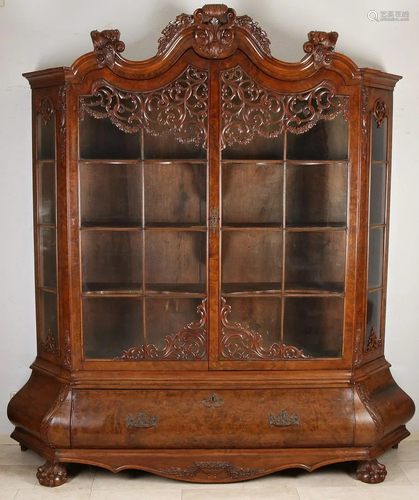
(283, 419)
(212, 402)
(141, 421)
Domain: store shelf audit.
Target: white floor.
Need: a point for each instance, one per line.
(336, 482)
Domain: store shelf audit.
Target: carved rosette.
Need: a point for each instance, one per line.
(249, 108)
(49, 344)
(52, 474)
(106, 45)
(373, 341)
(321, 46)
(371, 472)
(372, 410)
(379, 112)
(237, 343)
(181, 107)
(188, 344)
(46, 109)
(214, 29)
(212, 470)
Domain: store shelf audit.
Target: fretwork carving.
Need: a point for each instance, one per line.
(180, 107)
(249, 108)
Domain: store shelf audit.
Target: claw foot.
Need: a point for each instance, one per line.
(51, 474)
(371, 472)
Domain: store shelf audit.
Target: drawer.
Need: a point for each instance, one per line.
(219, 419)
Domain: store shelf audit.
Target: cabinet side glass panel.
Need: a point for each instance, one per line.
(46, 212)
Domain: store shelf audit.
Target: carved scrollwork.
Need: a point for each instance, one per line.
(212, 470)
(358, 350)
(46, 109)
(142, 421)
(49, 344)
(237, 343)
(249, 108)
(181, 107)
(48, 418)
(214, 29)
(67, 351)
(283, 419)
(373, 341)
(372, 410)
(321, 46)
(106, 45)
(62, 99)
(379, 112)
(188, 344)
(365, 122)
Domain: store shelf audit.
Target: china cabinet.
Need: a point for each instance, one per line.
(211, 233)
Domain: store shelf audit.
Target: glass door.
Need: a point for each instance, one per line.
(284, 177)
(143, 206)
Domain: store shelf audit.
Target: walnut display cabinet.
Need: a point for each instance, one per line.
(211, 233)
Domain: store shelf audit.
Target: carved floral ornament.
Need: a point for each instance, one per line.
(379, 112)
(46, 109)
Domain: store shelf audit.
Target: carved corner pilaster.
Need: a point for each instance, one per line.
(372, 410)
(49, 417)
(321, 46)
(371, 472)
(51, 474)
(106, 45)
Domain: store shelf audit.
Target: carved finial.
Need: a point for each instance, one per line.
(380, 112)
(321, 45)
(214, 33)
(106, 44)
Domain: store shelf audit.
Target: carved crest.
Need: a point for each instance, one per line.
(380, 112)
(214, 31)
(237, 343)
(106, 45)
(188, 344)
(321, 46)
(180, 107)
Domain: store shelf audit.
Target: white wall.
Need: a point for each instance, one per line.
(47, 33)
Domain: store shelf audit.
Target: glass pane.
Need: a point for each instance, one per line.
(378, 193)
(251, 261)
(111, 261)
(46, 138)
(175, 193)
(46, 193)
(252, 194)
(175, 261)
(317, 195)
(48, 316)
(327, 140)
(315, 325)
(315, 261)
(379, 141)
(111, 325)
(168, 147)
(100, 139)
(110, 195)
(259, 148)
(255, 315)
(48, 257)
(169, 317)
(373, 314)
(376, 257)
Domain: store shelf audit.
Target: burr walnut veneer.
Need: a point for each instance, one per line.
(211, 231)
